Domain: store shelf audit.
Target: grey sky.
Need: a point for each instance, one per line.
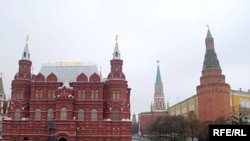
(172, 31)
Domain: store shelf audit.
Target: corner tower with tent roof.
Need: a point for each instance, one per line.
(213, 93)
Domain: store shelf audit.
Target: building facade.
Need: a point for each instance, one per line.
(83, 105)
(158, 107)
(239, 103)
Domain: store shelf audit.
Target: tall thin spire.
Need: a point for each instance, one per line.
(210, 61)
(26, 53)
(158, 74)
(209, 35)
(116, 54)
(101, 71)
(159, 100)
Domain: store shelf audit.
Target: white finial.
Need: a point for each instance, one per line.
(116, 38)
(27, 38)
(207, 26)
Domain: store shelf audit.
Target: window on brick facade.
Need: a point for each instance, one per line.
(38, 114)
(116, 95)
(63, 113)
(94, 94)
(19, 94)
(17, 114)
(14, 139)
(81, 94)
(93, 115)
(49, 94)
(38, 94)
(50, 114)
(81, 115)
(37, 139)
(116, 114)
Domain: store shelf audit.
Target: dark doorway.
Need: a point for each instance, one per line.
(62, 139)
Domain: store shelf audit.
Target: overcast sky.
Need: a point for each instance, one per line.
(171, 31)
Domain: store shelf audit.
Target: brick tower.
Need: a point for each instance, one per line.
(213, 92)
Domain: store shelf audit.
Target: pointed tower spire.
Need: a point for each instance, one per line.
(116, 64)
(209, 35)
(116, 54)
(158, 74)
(25, 64)
(159, 100)
(101, 71)
(26, 53)
(211, 61)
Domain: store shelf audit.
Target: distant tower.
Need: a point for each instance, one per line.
(3, 101)
(134, 119)
(159, 100)
(212, 93)
(2, 94)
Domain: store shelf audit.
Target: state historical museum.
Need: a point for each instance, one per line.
(83, 105)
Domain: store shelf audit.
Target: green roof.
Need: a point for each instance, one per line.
(211, 61)
(158, 76)
(209, 35)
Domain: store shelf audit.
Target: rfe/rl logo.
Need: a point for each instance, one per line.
(226, 132)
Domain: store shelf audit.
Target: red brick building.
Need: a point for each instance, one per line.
(158, 108)
(85, 106)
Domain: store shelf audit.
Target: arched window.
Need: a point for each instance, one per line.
(37, 114)
(81, 115)
(116, 114)
(93, 115)
(50, 114)
(17, 114)
(63, 113)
